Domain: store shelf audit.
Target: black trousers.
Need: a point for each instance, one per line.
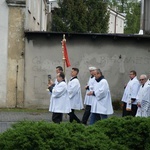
(129, 113)
(57, 117)
(73, 117)
(86, 114)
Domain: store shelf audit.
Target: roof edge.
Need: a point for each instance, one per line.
(88, 34)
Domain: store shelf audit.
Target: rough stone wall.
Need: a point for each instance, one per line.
(16, 46)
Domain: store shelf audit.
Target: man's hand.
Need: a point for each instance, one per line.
(50, 83)
(86, 86)
(138, 104)
(90, 93)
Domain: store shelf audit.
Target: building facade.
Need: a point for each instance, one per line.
(15, 53)
(36, 15)
(116, 22)
(3, 51)
(13, 23)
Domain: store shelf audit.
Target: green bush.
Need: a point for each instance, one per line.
(48, 136)
(126, 133)
(134, 132)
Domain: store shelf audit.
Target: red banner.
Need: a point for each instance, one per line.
(66, 55)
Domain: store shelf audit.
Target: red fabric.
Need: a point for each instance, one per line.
(66, 55)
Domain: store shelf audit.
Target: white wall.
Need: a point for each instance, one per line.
(36, 15)
(3, 51)
(120, 24)
(116, 22)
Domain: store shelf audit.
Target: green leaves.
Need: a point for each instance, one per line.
(133, 18)
(134, 132)
(80, 16)
(128, 133)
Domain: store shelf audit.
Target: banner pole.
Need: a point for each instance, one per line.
(64, 59)
(63, 56)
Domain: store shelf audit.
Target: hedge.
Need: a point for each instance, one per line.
(133, 132)
(126, 133)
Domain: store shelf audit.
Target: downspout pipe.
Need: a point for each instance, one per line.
(115, 24)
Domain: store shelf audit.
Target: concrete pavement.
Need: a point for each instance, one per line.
(7, 118)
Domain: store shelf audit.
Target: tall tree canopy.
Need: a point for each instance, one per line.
(80, 16)
(133, 18)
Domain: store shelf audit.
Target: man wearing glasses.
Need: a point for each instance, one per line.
(130, 94)
(143, 97)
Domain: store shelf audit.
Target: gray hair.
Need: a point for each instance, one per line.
(143, 76)
(99, 71)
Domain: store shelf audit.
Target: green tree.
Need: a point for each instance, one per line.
(98, 16)
(80, 16)
(133, 18)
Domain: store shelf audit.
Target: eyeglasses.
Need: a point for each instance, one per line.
(141, 79)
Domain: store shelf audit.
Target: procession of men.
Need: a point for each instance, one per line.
(66, 97)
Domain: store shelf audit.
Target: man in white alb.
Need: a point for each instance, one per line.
(101, 99)
(129, 96)
(74, 91)
(59, 101)
(88, 99)
(143, 97)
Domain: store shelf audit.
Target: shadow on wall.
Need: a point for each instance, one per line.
(117, 105)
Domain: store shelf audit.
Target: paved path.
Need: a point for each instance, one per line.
(7, 118)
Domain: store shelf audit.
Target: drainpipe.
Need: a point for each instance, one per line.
(142, 18)
(17, 67)
(115, 28)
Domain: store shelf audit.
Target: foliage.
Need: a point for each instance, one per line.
(128, 133)
(42, 136)
(97, 16)
(133, 18)
(80, 16)
(134, 132)
(71, 16)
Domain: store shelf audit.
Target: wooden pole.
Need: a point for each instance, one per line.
(63, 56)
(64, 59)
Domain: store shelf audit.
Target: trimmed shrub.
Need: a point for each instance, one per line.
(134, 132)
(42, 135)
(128, 133)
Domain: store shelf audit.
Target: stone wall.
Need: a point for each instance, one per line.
(115, 55)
